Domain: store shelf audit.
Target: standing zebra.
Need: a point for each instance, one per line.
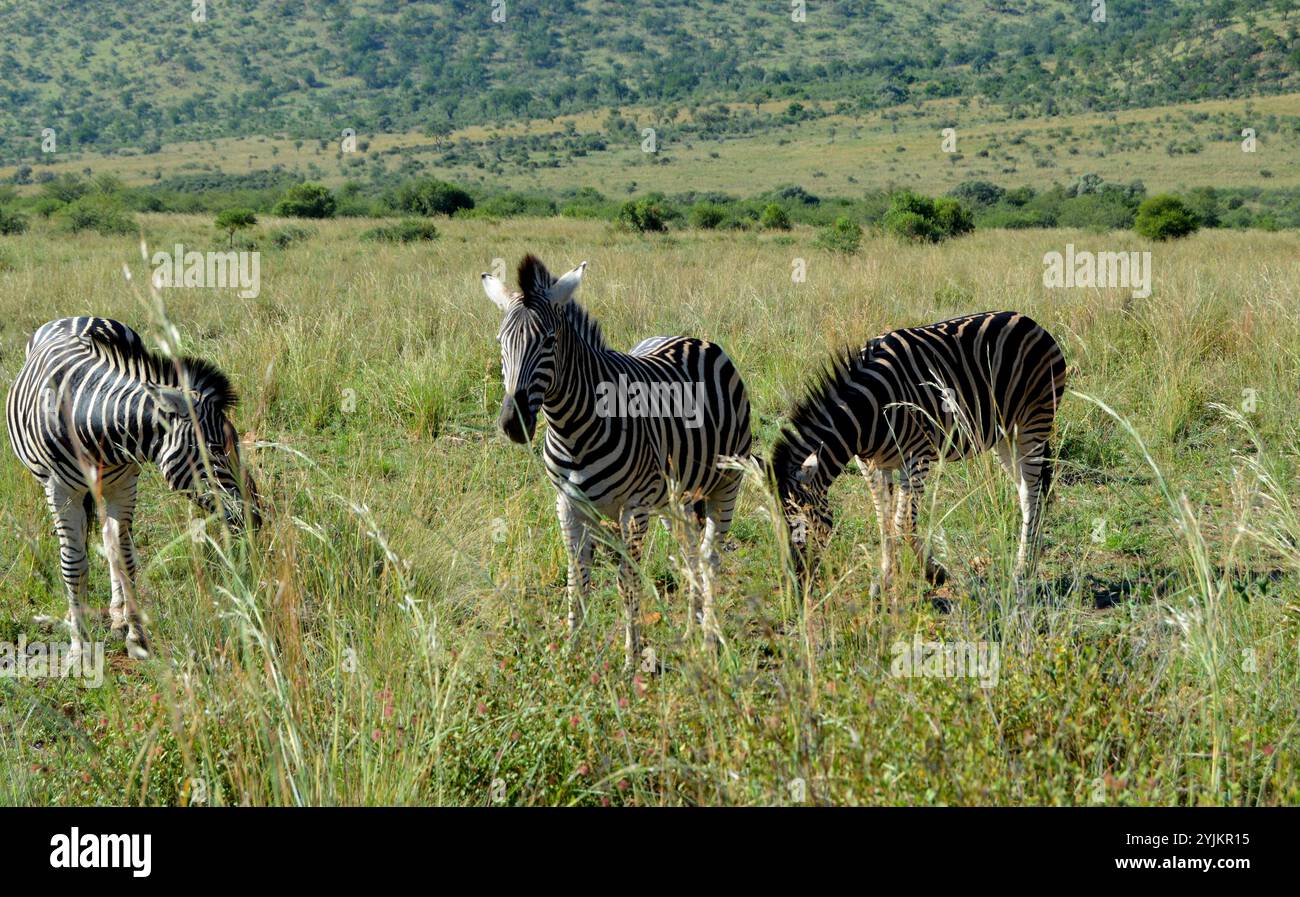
(613, 449)
(90, 405)
(909, 397)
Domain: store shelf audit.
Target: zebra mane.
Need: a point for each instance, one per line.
(186, 372)
(535, 281)
(205, 378)
(799, 433)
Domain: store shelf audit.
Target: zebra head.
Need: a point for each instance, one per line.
(527, 338)
(199, 450)
(804, 498)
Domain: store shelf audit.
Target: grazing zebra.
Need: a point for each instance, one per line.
(90, 405)
(951, 389)
(628, 435)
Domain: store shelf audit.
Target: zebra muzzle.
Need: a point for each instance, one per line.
(518, 421)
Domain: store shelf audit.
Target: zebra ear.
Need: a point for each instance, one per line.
(809, 468)
(496, 291)
(172, 402)
(563, 289)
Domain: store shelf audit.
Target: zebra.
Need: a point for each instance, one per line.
(612, 460)
(89, 406)
(950, 389)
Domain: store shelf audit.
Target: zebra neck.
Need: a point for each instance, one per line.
(582, 360)
(849, 421)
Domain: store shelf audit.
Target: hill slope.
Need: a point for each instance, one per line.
(137, 74)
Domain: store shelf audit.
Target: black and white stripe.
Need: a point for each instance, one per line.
(615, 466)
(951, 389)
(90, 405)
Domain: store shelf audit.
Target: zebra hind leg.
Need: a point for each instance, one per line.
(1034, 469)
(911, 487)
(718, 510)
(71, 510)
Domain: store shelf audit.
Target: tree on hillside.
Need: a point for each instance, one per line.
(232, 220)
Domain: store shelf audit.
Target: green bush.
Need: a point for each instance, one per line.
(284, 237)
(707, 215)
(97, 212)
(924, 220)
(774, 217)
(517, 205)
(1165, 217)
(409, 230)
(11, 223)
(430, 197)
(1096, 211)
(911, 226)
(306, 201)
(845, 236)
(953, 218)
(1013, 218)
(46, 206)
(643, 216)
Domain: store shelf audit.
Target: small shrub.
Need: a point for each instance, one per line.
(430, 197)
(953, 219)
(1165, 217)
(11, 224)
(707, 215)
(643, 216)
(921, 219)
(284, 237)
(306, 201)
(99, 213)
(774, 218)
(844, 236)
(409, 230)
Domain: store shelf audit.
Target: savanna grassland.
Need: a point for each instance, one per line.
(394, 633)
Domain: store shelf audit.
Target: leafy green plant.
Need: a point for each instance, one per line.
(284, 237)
(429, 197)
(924, 220)
(11, 223)
(643, 216)
(774, 217)
(306, 201)
(707, 215)
(99, 213)
(1165, 217)
(844, 236)
(410, 230)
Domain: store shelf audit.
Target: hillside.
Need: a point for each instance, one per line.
(134, 76)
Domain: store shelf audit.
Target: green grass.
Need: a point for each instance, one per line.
(394, 634)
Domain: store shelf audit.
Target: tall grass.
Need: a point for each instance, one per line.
(394, 633)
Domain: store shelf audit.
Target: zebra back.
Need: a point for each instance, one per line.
(951, 389)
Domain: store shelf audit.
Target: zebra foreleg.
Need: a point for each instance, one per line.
(881, 484)
(119, 548)
(71, 511)
(576, 528)
(633, 526)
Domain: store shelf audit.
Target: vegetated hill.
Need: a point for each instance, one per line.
(138, 73)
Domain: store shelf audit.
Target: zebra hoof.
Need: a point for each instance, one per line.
(137, 648)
